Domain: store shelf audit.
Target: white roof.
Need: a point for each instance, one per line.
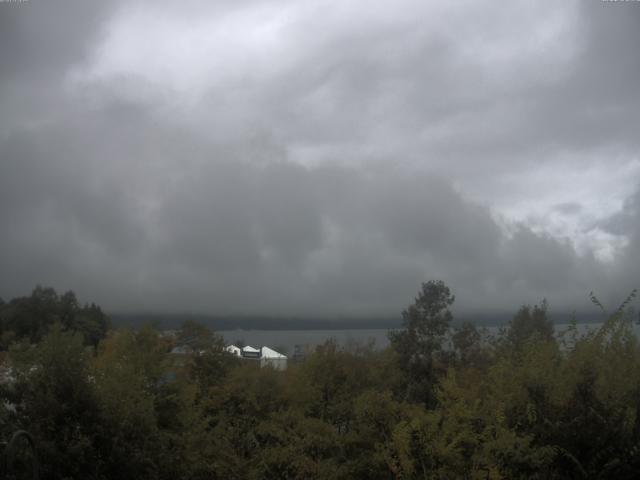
(250, 349)
(269, 353)
(232, 349)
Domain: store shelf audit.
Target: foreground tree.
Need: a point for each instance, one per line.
(530, 323)
(468, 346)
(30, 318)
(418, 345)
(128, 373)
(53, 399)
(208, 361)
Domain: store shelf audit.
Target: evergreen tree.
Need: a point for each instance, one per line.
(419, 344)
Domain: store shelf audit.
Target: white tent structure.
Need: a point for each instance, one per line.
(233, 350)
(250, 352)
(273, 359)
(265, 355)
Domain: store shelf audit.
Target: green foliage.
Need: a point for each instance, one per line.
(469, 346)
(195, 335)
(524, 406)
(30, 318)
(126, 374)
(530, 324)
(419, 344)
(53, 399)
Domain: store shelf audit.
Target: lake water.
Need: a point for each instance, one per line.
(286, 340)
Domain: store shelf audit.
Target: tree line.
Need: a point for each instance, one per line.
(439, 403)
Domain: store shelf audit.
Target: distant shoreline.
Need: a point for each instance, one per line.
(248, 323)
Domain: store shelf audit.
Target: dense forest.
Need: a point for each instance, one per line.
(441, 402)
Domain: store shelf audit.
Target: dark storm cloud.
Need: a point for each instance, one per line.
(329, 180)
(39, 41)
(234, 236)
(40, 38)
(627, 223)
(596, 105)
(568, 208)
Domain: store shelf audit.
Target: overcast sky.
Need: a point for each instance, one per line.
(320, 158)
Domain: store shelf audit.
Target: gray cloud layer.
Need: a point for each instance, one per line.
(318, 163)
